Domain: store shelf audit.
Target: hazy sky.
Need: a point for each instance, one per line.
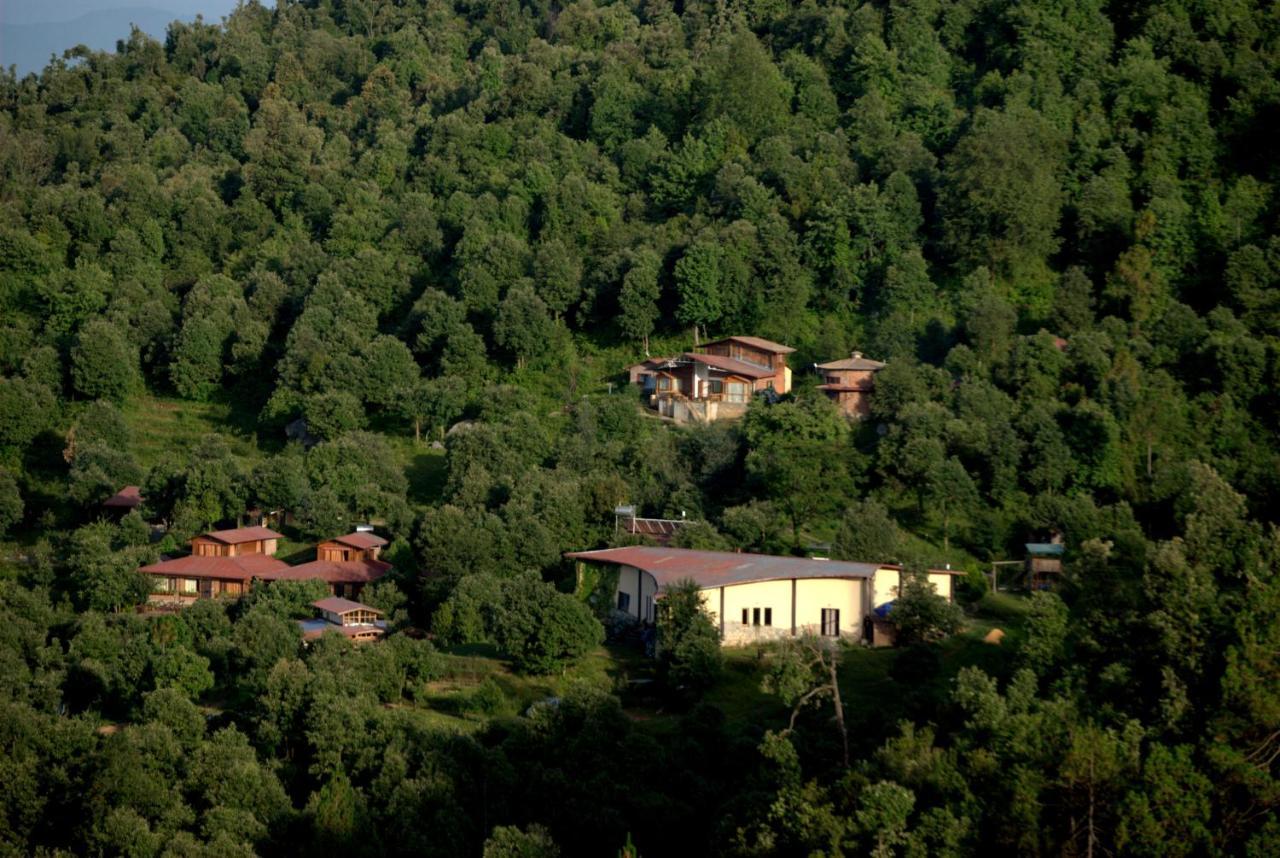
(32, 30)
(53, 11)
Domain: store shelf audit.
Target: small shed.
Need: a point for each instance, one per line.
(1044, 564)
(128, 498)
(881, 631)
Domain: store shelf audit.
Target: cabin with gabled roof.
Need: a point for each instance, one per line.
(236, 542)
(358, 622)
(360, 545)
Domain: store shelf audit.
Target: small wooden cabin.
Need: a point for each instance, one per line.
(361, 545)
(236, 542)
(358, 622)
(122, 502)
(849, 383)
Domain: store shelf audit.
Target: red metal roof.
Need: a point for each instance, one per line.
(237, 535)
(725, 568)
(732, 365)
(755, 343)
(361, 540)
(333, 571)
(338, 605)
(243, 568)
(127, 498)
(722, 568)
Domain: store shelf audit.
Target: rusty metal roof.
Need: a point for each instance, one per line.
(243, 568)
(237, 535)
(755, 342)
(723, 568)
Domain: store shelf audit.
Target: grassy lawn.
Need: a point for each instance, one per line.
(424, 468)
(160, 425)
(454, 697)
(739, 694)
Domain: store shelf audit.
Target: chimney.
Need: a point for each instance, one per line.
(857, 355)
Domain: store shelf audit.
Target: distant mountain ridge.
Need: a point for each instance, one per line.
(32, 33)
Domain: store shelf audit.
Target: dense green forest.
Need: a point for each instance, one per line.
(1055, 221)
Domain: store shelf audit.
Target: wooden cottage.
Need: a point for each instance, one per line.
(236, 542)
(361, 545)
(358, 622)
(716, 380)
(849, 383)
(124, 501)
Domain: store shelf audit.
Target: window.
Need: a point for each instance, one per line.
(716, 386)
(624, 602)
(755, 616)
(189, 585)
(831, 622)
(664, 383)
(769, 384)
(746, 616)
(768, 616)
(737, 392)
(161, 585)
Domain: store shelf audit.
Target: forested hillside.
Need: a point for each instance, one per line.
(1056, 222)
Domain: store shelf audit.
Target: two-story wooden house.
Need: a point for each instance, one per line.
(716, 380)
(849, 383)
